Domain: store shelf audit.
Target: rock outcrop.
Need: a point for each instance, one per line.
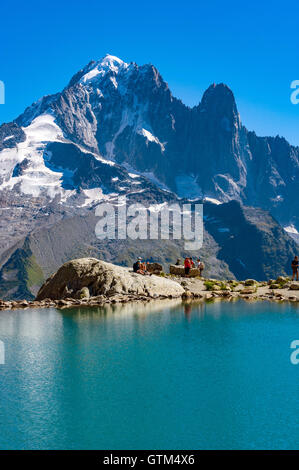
(180, 271)
(294, 286)
(103, 278)
(154, 268)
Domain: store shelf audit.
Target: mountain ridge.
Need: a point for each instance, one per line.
(151, 131)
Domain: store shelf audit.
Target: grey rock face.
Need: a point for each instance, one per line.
(273, 176)
(217, 151)
(252, 242)
(10, 135)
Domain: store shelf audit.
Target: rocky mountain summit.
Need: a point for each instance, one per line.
(124, 114)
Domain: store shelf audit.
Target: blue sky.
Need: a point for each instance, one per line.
(251, 46)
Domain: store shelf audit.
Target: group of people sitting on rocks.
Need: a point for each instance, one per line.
(189, 263)
(140, 267)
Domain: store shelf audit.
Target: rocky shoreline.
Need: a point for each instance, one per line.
(279, 290)
(98, 301)
(94, 283)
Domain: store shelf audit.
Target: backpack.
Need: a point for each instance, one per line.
(136, 266)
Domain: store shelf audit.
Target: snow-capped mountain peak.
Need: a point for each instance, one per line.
(112, 63)
(107, 64)
(125, 113)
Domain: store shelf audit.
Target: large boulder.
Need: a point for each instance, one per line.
(180, 271)
(103, 278)
(155, 268)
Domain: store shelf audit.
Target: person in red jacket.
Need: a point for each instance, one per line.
(187, 264)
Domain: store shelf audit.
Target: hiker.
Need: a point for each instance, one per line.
(187, 265)
(137, 266)
(200, 266)
(192, 262)
(295, 264)
(178, 262)
(143, 268)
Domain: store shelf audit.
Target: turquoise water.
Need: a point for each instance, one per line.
(206, 376)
